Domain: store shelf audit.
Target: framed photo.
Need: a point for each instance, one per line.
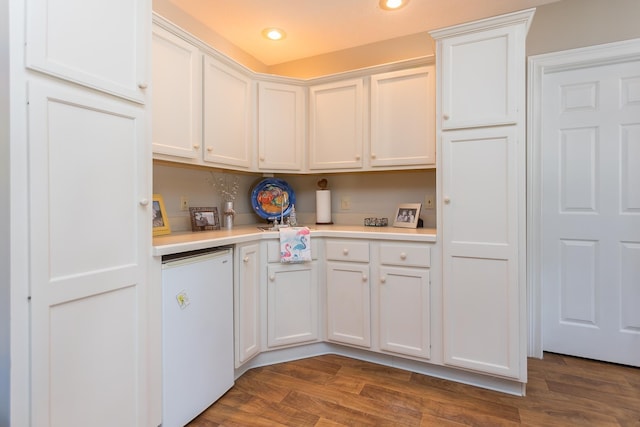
(407, 215)
(203, 219)
(160, 220)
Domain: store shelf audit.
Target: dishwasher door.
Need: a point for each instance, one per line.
(197, 333)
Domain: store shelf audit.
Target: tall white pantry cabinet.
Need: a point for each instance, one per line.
(80, 205)
(480, 126)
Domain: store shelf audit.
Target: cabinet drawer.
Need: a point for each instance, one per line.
(345, 250)
(405, 254)
(273, 250)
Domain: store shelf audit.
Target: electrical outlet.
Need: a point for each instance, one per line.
(428, 202)
(184, 203)
(345, 203)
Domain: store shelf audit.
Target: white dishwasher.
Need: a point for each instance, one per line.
(197, 332)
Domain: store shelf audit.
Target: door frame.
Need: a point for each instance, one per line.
(538, 67)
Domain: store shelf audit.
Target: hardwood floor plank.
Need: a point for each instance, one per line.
(343, 397)
(420, 402)
(337, 413)
(332, 390)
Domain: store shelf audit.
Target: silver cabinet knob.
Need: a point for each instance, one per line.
(447, 200)
(245, 259)
(272, 277)
(383, 279)
(446, 116)
(364, 278)
(345, 251)
(144, 202)
(196, 147)
(403, 256)
(143, 85)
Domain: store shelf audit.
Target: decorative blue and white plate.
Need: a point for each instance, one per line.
(272, 197)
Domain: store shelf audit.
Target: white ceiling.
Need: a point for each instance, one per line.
(316, 27)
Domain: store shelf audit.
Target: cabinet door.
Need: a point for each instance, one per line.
(335, 128)
(292, 301)
(177, 96)
(90, 229)
(403, 118)
(348, 303)
(280, 126)
(247, 303)
(100, 44)
(482, 213)
(404, 311)
(480, 74)
(227, 115)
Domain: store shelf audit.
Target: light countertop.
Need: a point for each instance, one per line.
(189, 241)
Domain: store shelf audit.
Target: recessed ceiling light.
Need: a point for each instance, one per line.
(393, 4)
(274, 34)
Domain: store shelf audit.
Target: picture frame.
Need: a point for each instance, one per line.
(407, 215)
(160, 220)
(204, 219)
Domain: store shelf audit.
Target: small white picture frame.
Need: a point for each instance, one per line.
(407, 215)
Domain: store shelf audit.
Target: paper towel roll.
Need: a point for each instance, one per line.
(323, 207)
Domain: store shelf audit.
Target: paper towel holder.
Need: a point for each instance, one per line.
(323, 203)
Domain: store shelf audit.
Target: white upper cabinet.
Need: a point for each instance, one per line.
(100, 44)
(480, 72)
(403, 118)
(228, 98)
(280, 127)
(335, 125)
(177, 96)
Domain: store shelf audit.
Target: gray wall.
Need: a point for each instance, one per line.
(570, 24)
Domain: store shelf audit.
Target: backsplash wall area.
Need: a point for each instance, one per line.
(370, 194)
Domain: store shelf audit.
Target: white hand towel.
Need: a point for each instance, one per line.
(295, 244)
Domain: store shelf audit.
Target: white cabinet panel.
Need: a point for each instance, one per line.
(404, 311)
(403, 118)
(481, 292)
(177, 96)
(481, 71)
(347, 250)
(348, 303)
(335, 125)
(247, 302)
(292, 301)
(100, 44)
(90, 236)
(228, 98)
(280, 126)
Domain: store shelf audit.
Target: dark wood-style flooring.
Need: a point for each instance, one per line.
(333, 390)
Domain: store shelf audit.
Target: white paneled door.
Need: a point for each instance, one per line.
(591, 212)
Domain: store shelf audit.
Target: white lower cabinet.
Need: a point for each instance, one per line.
(404, 299)
(292, 303)
(348, 303)
(247, 302)
(348, 292)
(403, 311)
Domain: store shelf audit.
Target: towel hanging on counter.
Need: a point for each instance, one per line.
(295, 244)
